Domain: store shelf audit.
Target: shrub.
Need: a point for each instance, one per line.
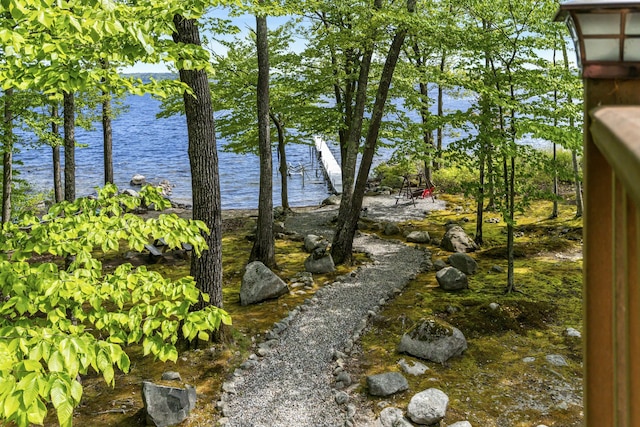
(57, 322)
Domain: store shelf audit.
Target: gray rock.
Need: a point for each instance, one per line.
(419, 237)
(342, 398)
(130, 192)
(171, 376)
(439, 264)
(167, 406)
(391, 229)
(138, 179)
(386, 384)
(456, 240)
(497, 269)
(464, 263)
(556, 360)
(344, 378)
(259, 284)
(313, 242)
(332, 200)
(461, 424)
(428, 407)
(452, 279)
(393, 417)
(433, 339)
(416, 369)
(278, 227)
(572, 333)
(529, 359)
(319, 265)
(494, 306)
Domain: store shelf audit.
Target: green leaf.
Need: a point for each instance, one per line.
(76, 391)
(37, 412)
(56, 362)
(11, 405)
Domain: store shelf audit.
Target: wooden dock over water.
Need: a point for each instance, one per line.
(331, 167)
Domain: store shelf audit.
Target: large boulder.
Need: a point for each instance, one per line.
(259, 284)
(464, 263)
(452, 279)
(418, 237)
(428, 407)
(456, 240)
(319, 262)
(386, 384)
(167, 406)
(433, 339)
(313, 242)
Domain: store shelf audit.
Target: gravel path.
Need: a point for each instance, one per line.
(292, 382)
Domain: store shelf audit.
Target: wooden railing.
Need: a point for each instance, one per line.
(611, 269)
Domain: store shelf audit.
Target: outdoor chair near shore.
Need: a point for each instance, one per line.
(409, 191)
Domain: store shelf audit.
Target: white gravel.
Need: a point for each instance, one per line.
(292, 385)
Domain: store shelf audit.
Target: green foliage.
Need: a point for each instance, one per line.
(454, 179)
(391, 173)
(57, 323)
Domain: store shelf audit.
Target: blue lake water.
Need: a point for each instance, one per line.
(157, 149)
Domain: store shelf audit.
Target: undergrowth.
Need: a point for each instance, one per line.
(492, 384)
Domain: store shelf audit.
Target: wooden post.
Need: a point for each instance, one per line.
(612, 317)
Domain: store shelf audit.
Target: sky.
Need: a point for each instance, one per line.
(244, 22)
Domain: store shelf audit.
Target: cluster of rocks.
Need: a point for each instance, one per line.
(259, 283)
(428, 408)
(165, 187)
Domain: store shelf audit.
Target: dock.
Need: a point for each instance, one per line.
(331, 167)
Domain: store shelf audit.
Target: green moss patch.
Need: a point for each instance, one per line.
(503, 379)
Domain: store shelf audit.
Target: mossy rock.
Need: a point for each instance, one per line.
(433, 339)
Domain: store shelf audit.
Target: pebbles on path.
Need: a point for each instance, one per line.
(292, 384)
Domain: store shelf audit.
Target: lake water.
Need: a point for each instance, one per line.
(157, 149)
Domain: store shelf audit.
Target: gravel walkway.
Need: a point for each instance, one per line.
(292, 382)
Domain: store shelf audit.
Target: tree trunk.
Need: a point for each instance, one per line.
(342, 246)
(554, 211)
(578, 184)
(443, 62)
(7, 158)
(264, 246)
(427, 135)
(574, 155)
(511, 190)
(203, 158)
(69, 147)
(58, 189)
(479, 239)
(282, 155)
(107, 138)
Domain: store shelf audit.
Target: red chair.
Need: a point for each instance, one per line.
(428, 192)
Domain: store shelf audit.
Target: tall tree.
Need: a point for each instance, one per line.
(351, 201)
(264, 246)
(69, 114)
(58, 190)
(7, 160)
(203, 158)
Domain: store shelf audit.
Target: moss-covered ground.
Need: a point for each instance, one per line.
(491, 384)
(208, 365)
